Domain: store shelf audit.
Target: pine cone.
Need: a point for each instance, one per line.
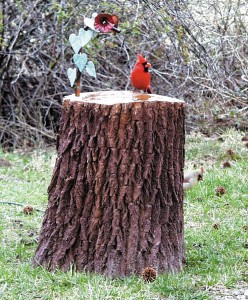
(28, 210)
(216, 226)
(226, 164)
(149, 274)
(245, 228)
(220, 190)
(230, 152)
(244, 138)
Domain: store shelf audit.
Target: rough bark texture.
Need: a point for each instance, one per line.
(116, 195)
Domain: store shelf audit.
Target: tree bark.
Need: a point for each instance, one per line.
(116, 195)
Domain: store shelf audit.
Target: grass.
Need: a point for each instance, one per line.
(216, 238)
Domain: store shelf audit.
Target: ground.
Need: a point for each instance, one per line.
(216, 230)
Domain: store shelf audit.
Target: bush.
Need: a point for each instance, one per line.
(198, 51)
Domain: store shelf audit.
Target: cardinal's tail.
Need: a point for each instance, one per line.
(149, 90)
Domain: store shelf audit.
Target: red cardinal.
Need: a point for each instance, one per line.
(140, 77)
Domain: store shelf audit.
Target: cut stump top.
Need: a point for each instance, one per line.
(118, 97)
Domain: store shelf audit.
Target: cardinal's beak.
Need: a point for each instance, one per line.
(148, 65)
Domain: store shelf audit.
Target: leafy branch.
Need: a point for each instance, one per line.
(99, 23)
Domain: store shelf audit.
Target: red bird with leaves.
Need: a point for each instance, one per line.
(140, 76)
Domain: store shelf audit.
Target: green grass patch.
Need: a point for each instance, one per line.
(216, 236)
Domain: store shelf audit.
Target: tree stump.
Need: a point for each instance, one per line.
(116, 195)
